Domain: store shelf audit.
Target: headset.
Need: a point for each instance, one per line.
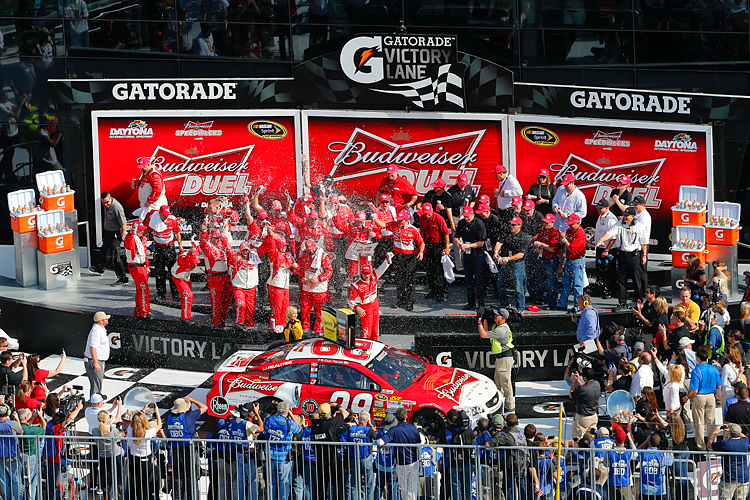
(586, 303)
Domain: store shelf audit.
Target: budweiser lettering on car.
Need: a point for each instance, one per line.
(373, 377)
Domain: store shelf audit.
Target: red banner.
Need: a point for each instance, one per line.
(659, 161)
(200, 157)
(356, 152)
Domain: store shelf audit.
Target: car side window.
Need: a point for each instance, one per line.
(297, 373)
(345, 377)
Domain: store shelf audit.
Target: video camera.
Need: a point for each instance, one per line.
(70, 400)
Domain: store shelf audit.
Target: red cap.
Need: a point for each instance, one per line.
(625, 180)
(482, 209)
(392, 169)
(215, 233)
(528, 205)
(144, 162)
(245, 245)
(517, 200)
(573, 219)
(140, 227)
(516, 221)
(312, 214)
(334, 198)
(280, 242)
(544, 172)
(426, 208)
(548, 218)
(262, 214)
(620, 435)
(308, 197)
(463, 179)
(360, 216)
(567, 179)
(467, 211)
(275, 205)
(440, 183)
(499, 169)
(384, 197)
(366, 269)
(164, 210)
(402, 215)
(309, 245)
(484, 199)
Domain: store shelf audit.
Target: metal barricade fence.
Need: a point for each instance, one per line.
(104, 468)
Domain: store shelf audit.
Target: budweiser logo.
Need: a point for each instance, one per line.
(450, 389)
(366, 153)
(243, 384)
(607, 139)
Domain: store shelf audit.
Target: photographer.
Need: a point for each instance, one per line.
(586, 395)
(654, 465)
(327, 424)
(28, 450)
(501, 339)
(10, 471)
(9, 378)
(735, 480)
(459, 460)
(618, 349)
(53, 448)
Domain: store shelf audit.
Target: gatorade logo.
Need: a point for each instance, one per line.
(61, 202)
(685, 217)
(59, 242)
(32, 221)
(679, 283)
(685, 257)
(719, 234)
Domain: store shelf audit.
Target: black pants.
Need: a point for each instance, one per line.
(628, 264)
(183, 472)
(378, 256)
(164, 259)
(110, 254)
(405, 267)
(435, 275)
(8, 143)
(608, 275)
(264, 272)
(142, 481)
(329, 475)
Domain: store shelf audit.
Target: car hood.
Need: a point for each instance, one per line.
(457, 386)
(237, 362)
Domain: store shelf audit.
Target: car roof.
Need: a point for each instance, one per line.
(325, 349)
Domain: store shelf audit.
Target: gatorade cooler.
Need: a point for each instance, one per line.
(55, 242)
(23, 222)
(60, 201)
(717, 234)
(688, 233)
(682, 217)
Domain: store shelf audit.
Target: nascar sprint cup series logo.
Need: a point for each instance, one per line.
(421, 68)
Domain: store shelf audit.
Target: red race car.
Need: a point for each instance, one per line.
(374, 377)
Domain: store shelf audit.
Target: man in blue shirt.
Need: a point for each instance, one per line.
(181, 427)
(588, 323)
(704, 381)
(654, 465)
(735, 480)
(602, 442)
(620, 482)
(361, 477)
(281, 427)
(407, 457)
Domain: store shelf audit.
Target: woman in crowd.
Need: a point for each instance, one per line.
(662, 309)
(38, 377)
(24, 399)
(731, 371)
(723, 285)
(51, 404)
(142, 481)
(647, 403)
(695, 276)
(720, 270)
(620, 376)
(293, 327)
(680, 447)
(672, 390)
(542, 192)
(110, 452)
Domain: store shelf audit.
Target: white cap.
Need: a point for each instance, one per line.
(96, 399)
(685, 341)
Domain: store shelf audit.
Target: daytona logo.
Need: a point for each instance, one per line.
(680, 142)
(136, 129)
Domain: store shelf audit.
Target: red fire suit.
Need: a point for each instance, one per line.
(135, 253)
(282, 266)
(281, 226)
(316, 232)
(313, 296)
(401, 191)
(355, 234)
(244, 275)
(220, 220)
(364, 294)
(187, 260)
(151, 192)
(219, 285)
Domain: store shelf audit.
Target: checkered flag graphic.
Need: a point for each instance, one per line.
(446, 88)
(64, 269)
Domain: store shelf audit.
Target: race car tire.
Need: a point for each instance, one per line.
(266, 404)
(424, 415)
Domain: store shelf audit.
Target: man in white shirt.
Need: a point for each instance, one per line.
(96, 353)
(97, 404)
(78, 14)
(203, 45)
(606, 265)
(644, 377)
(643, 218)
(507, 189)
(567, 202)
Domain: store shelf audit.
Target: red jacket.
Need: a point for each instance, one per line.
(400, 190)
(319, 230)
(323, 274)
(407, 240)
(254, 233)
(135, 253)
(386, 216)
(156, 180)
(577, 240)
(354, 233)
(282, 227)
(187, 260)
(281, 265)
(215, 255)
(171, 228)
(364, 291)
(343, 213)
(549, 237)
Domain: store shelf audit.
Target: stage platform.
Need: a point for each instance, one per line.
(47, 321)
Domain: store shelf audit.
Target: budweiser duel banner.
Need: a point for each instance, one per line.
(356, 148)
(202, 155)
(659, 158)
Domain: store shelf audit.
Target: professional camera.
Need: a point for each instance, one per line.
(464, 420)
(70, 400)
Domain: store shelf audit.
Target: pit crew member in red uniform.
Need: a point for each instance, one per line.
(408, 248)
(573, 247)
(218, 217)
(135, 254)
(187, 260)
(401, 191)
(219, 285)
(150, 185)
(281, 225)
(243, 271)
(435, 233)
(384, 212)
(358, 230)
(282, 266)
(165, 231)
(316, 270)
(545, 243)
(312, 228)
(363, 298)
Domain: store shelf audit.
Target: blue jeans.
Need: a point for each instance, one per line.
(361, 479)
(549, 265)
(517, 271)
(517, 489)
(572, 275)
(32, 475)
(247, 477)
(10, 478)
(460, 482)
(281, 479)
(303, 486)
(474, 273)
(51, 473)
(386, 485)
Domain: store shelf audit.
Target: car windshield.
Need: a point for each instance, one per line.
(396, 367)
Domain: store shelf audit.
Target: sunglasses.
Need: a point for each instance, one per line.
(515, 224)
(384, 201)
(363, 273)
